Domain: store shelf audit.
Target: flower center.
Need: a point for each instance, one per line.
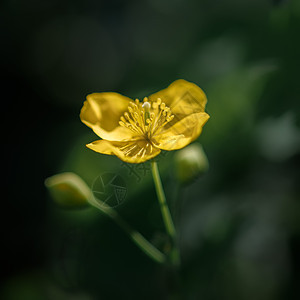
(146, 118)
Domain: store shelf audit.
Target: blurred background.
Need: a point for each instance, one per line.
(239, 223)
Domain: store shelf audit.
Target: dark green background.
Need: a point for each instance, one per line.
(239, 223)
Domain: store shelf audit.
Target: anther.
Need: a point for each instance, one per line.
(126, 115)
(154, 105)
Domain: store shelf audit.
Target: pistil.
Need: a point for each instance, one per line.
(146, 106)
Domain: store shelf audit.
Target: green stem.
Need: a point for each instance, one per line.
(166, 215)
(135, 236)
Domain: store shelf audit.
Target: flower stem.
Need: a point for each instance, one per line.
(166, 215)
(135, 236)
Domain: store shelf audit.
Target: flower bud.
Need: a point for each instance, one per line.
(190, 163)
(68, 190)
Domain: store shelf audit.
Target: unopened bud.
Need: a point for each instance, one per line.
(190, 162)
(68, 190)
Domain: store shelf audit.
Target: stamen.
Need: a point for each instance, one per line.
(163, 116)
(145, 118)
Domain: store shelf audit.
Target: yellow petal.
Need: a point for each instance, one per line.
(102, 112)
(182, 97)
(181, 133)
(131, 152)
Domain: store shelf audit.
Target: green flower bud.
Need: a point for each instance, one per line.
(190, 163)
(68, 190)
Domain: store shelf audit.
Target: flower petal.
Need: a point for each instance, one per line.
(183, 98)
(131, 152)
(102, 112)
(181, 133)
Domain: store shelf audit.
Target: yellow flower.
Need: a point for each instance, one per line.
(137, 131)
